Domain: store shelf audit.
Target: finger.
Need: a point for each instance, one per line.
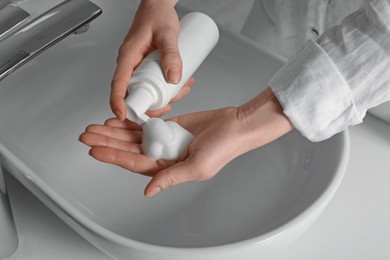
(131, 161)
(129, 57)
(167, 43)
(184, 91)
(191, 81)
(126, 124)
(178, 173)
(118, 92)
(116, 133)
(92, 139)
(159, 112)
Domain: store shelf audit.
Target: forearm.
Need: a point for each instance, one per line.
(262, 120)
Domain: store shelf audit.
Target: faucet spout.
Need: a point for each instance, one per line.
(42, 32)
(11, 17)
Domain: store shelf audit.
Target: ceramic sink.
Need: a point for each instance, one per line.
(258, 202)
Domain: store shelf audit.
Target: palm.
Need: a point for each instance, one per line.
(119, 143)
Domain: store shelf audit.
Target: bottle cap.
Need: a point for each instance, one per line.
(137, 103)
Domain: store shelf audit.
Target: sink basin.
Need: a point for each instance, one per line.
(258, 202)
(382, 112)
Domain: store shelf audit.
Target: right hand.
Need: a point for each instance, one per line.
(155, 26)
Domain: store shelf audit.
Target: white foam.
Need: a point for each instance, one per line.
(164, 139)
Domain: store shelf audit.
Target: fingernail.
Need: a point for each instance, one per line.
(174, 76)
(153, 192)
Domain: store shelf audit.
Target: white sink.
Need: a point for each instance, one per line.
(256, 203)
(382, 111)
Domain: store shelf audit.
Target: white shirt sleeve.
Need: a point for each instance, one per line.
(329, 84)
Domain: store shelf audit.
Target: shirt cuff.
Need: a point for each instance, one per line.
(314, 95)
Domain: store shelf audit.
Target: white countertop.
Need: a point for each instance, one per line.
(355, 225)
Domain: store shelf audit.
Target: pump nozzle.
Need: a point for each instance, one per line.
(137, 103)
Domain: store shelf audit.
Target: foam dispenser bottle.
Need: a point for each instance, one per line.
(148, 88)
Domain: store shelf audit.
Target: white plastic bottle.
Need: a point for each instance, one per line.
(148, 88)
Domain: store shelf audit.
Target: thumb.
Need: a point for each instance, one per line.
(179, 173)
(170, 56)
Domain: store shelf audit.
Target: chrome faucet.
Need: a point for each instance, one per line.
(22, 38)
(11, 17)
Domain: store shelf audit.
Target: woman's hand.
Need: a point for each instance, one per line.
(119, 143)
(220, 136)
(155, 26)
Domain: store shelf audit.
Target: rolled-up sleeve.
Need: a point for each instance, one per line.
(332, 82)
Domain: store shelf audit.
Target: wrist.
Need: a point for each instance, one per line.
(262, 120)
